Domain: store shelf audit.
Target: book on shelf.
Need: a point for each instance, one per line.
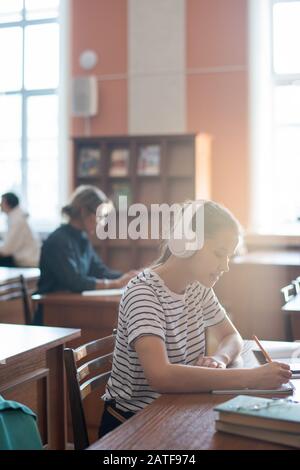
(88, 164)
(121, 189)
(149, 160)
(119, 162)
(274, 420)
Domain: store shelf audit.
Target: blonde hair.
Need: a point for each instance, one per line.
(85, 197)
(216, 218)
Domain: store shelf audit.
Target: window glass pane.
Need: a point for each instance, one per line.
(10, 10)
(36, 9)
(10, 149)
(10, 180)
(10, 146)
(42, 191)
(42, 165)
(287, 170)
(286, 21)
(287, 104)
(42, 117)
(10, 175)
(10, 59)
(41, 56)
(10, 118)
(41, 149)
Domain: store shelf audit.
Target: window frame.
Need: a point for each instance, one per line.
(60, 91)
(263, 81)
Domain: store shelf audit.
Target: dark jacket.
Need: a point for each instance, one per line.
(69, 263)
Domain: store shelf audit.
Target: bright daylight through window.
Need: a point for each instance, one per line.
(29, 83)
(275, 115)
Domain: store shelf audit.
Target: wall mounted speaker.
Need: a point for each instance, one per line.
(85, 96)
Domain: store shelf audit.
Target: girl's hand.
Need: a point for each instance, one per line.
(210, 361)
(271, 375)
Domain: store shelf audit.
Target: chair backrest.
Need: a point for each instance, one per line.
(289, 291)
(16, 288)
(83, 377)
(296, 283)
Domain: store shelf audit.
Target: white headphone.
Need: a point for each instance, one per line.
(183, 241)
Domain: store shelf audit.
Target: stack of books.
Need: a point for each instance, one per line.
(273, 420)
(121, 189)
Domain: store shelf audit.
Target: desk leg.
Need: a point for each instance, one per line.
(57, 418)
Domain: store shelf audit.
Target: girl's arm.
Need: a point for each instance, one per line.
(230, 343)
(165, 377)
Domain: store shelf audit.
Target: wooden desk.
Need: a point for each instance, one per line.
(292, 309)
(182, 421)
(251, 294)
(30, 274)
(96, 316)
(32, 372)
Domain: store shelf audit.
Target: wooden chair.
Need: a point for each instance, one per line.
(83, 377)
(16, 288)
(289, 291)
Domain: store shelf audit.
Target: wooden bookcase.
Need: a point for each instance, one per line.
(184, 173)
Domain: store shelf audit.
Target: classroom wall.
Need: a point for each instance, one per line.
(101, 25)
(172, 66)
(217, 91)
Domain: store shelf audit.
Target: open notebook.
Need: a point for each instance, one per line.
(288, 353)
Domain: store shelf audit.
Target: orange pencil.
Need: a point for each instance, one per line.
(266, 355)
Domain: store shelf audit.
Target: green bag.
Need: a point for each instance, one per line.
(18, 428)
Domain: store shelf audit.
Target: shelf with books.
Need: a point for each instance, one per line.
(146, 169)
(147, 256)
(118, 189)
(149, 160)
(180, 162)
(88, 162)
(120, 257)
(119, 163)
(179, 190)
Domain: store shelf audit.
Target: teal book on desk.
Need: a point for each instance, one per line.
(273, 420)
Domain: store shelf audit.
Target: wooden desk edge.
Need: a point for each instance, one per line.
(76, 333)
(70, 298)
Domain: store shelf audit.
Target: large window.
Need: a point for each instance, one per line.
(30, 105)
(275, 111)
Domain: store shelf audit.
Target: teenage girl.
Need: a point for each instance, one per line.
(164, 312)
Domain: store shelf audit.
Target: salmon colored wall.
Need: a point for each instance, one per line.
(216, 82)
(101, 25)
(217, 95)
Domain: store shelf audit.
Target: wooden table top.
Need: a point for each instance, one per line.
(69, 298)
(183, 422)
(7, 274)
(16, 340)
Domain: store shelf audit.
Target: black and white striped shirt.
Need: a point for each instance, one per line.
(148, 307)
